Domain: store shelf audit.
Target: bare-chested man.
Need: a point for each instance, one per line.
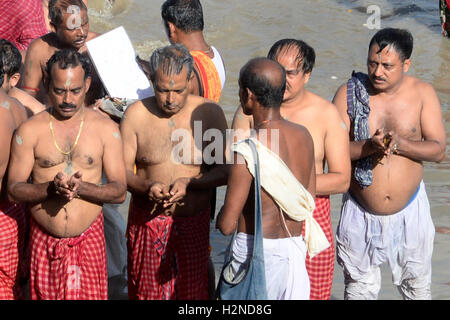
(395, 124)
(331, 146)
(13, 222)
(168, 221)
(12, 63)
(65, 149)
(70, 24)
(287, 180)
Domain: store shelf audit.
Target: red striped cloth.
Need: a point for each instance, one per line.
(209, 76)
(321, 267)
(21, 21)
(13, 253)
(167, 257)
(68, 268)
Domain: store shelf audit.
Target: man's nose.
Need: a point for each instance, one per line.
(80, 31)
(170, 97)
(67, 97)
(379, 70)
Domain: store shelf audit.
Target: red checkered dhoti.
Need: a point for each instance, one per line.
(13, 253)
(167, 256)
(321, 267)
(68, 268)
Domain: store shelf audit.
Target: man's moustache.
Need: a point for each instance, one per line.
(67, 105)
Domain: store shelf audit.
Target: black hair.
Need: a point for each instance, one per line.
(2, 73)
(186, 15)
(400, 39)
(56, 9)
(10, 57)
(269, 92)
(68, 58)
(171, 59)
(306, 57)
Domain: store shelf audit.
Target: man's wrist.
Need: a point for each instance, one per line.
(51, 189)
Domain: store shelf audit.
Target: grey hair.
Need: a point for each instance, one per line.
(171, 59)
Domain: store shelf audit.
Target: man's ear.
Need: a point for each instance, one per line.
(53, 27)
(87, 83)
(250, 96)
(406, 65)
(172, 30)
(46, 83)
(14, 79)
(307, 76)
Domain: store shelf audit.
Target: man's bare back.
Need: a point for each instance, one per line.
(310, 114)
(294, 143)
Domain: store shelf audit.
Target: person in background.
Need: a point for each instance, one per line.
(12, 63)
(21, 21)
(396, 124)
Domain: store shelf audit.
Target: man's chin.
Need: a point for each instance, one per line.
(78, 45)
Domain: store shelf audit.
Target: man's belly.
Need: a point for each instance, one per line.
(395, 181)
(69, 220)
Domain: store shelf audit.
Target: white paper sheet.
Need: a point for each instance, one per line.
(114, 58)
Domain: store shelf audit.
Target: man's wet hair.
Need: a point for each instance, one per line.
(269, 91)
(186, 15)
(10, 58)
(171, 59)
(306, 57)
(400, 39)
(68, 58)
(57, 8)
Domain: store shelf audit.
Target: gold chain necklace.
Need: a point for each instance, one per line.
(76, 140)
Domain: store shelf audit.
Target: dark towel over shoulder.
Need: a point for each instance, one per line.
(358, 110)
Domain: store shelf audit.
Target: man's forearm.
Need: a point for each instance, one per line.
(112, 192)
(430, 150)
(213, 178)
(361, 149)
(332, 183)
(136, 184)
(30, 193)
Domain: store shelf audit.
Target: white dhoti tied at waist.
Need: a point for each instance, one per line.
(287, 191)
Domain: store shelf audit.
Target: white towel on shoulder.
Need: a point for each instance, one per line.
(286, 190)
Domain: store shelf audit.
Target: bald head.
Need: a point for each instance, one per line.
(266, 79)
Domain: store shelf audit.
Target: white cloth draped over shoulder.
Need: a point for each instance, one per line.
(286, 190)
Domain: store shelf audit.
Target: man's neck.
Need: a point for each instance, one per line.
(266, 116)
(392, 91)
(296, 102)
(193, 41)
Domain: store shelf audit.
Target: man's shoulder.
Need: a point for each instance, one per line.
(417, 84)
(43, 46)
(92, 35)
(34, 124)
(206, 105)
(297, 131)
(44, 41)
(320, 104)
(139, 108)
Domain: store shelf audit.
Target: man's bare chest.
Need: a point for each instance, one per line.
(401, 116)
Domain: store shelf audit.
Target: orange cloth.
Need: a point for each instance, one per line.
(209, 76)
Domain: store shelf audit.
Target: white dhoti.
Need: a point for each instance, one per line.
(404, 240)
(284, 262)
(284, 259)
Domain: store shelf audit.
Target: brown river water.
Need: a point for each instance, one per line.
(339, 31)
